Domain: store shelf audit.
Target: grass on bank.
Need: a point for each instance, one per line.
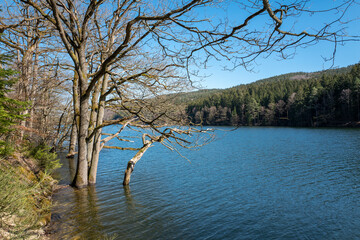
(25, 189)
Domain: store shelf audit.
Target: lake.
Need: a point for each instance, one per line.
(251, 183)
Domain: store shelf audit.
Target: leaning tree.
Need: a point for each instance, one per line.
(126, 53)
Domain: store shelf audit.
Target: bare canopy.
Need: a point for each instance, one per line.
(125, 54)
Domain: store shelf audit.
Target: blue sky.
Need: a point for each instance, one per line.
(308, 59)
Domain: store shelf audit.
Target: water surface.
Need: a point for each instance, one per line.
(252, 183)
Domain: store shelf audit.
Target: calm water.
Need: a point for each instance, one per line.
(252, 183)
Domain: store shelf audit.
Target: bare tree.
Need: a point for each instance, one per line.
(125, 53)
(41, 82)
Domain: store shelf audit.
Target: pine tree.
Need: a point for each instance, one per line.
(9, 108)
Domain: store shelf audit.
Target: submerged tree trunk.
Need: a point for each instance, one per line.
(95, 152)
(92, 123)
(81, 179)
(97, 136)
(133, 161)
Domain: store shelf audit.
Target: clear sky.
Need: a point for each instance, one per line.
(308, 59)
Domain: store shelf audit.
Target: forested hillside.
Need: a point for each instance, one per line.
(76, 64)
(327, 98)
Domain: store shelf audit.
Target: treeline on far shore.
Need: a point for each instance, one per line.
(327, 98)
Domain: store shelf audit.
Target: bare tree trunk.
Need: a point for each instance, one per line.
(133, 161)
(93, 118)
(95, 157)
(23, 93)
(33, 88)
(73, 140)
(76, 121)
(97, 135)
(81, 179)
(95, 152)
(26, 73)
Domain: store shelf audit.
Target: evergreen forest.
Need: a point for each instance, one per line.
(326, 98)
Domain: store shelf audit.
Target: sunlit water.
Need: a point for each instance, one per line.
(252, 183)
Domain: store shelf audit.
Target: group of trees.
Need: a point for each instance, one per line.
(36, 77)
(76, 59)
(319, 99)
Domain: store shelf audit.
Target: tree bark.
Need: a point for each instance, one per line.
(133, 161)
(81, 178)
(76, 123)
(93, 119)
(97, 137)
(73, 140)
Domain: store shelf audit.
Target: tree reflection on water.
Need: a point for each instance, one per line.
(77, 215)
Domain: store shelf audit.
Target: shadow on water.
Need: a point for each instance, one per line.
(130, 203)
(75, 214)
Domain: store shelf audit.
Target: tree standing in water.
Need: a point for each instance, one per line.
(126, 53)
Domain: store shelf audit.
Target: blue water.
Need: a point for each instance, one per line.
(251, 183)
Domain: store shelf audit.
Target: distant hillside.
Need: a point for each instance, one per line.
(191, 97)
(305, 75)
(323, 98)
(186, 97)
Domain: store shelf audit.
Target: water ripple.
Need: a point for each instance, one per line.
(254, 183)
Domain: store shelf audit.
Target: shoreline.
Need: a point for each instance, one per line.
(342, 125)
(37, 188)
